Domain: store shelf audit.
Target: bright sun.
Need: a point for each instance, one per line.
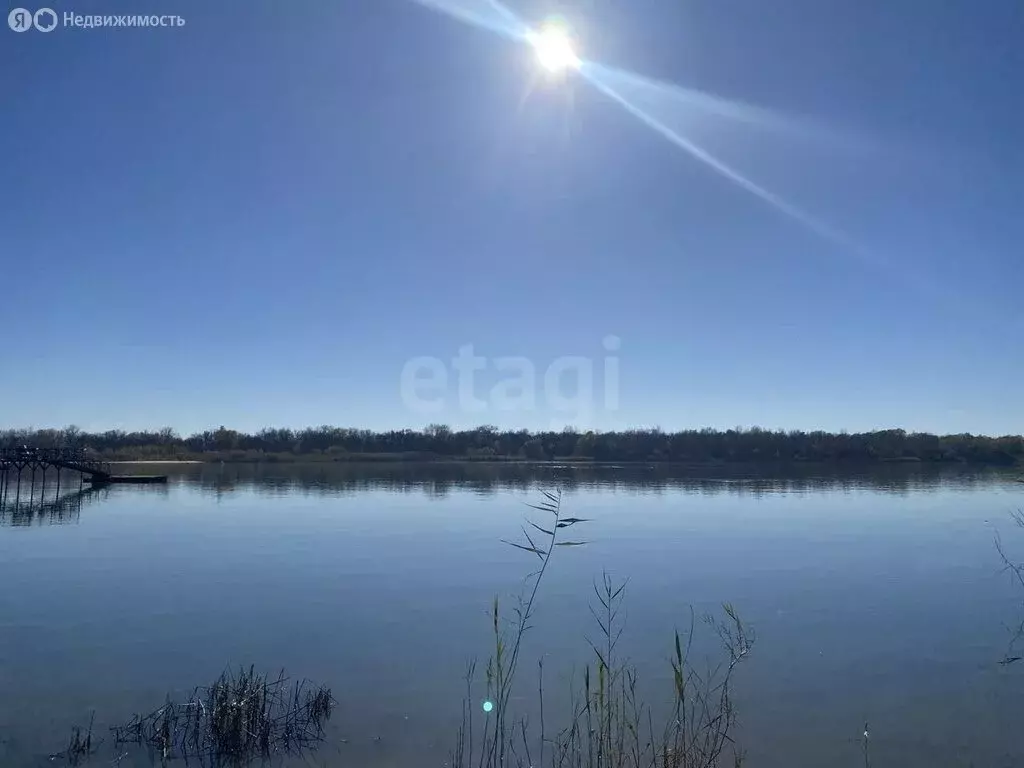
(553, 46)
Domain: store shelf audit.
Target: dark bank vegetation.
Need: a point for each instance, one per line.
(607, 724)
(439, 442)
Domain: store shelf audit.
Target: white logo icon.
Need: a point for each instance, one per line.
(20, 20)
(45, 19)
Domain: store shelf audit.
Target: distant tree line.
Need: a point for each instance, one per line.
(438, 441)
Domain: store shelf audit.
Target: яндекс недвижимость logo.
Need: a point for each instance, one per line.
(22, 19)
(47, 20)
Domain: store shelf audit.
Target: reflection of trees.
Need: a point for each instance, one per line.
(438, 479)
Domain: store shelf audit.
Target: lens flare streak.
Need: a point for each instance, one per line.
(628, 89)
(645, 89)
(650, 102)
(487, 14)
(725, 170)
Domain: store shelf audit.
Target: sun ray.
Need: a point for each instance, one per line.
(706, 157)
(488, 14)
(642, 90)
(955, 302)
(647, 101)
(553, 45)
(779, 203)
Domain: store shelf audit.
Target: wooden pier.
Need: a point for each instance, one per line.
(14, 462)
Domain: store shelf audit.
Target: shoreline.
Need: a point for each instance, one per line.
(157, 461)
(397, 459)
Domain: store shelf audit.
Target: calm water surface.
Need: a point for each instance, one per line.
(875, 596)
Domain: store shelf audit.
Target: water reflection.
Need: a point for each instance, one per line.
(64, 509)
(873, 591)
(437, 480)
(59, 502)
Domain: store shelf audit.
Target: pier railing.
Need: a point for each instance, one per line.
(74, 459)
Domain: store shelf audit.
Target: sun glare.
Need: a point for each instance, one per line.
(554, 49)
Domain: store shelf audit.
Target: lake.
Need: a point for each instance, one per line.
(877, 596)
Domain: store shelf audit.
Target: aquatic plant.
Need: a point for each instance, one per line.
(239, 718)
(80, 745)
(1015, 569)
(607, 724)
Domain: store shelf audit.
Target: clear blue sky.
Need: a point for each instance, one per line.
(258, 218)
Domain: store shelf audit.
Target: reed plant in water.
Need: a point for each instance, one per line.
(81, 745)
(607, 724)
(239, 718)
